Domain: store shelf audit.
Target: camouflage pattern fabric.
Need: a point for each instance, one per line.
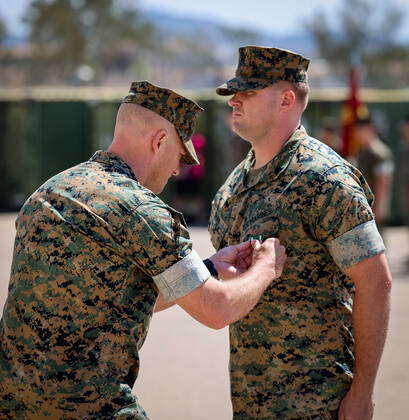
(81, 293)
(260, 67)
(292, 355)
(177, 109)
(323, 415)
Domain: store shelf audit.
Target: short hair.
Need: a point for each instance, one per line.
(302, 91)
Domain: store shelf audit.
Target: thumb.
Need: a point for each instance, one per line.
(255, 244)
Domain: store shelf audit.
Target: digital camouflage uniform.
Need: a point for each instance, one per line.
(93, 248)
(292, 355)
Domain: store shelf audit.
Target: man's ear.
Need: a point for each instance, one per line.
(288, 99)
(158, 140)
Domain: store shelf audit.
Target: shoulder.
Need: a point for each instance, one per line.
(110, 195)
(317, 164)
(317, 158)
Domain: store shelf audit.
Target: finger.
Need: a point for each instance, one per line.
(240, 261)
(247, 252)
(248, 260)
(246, 257)
(245, 263)
(244, 246)
(280, 251)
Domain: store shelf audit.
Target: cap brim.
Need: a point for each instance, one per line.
(190, 158)
(223, 90)
(238, 84)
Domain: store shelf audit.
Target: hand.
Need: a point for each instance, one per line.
(233, 260)
(269, 257)
(356, 406)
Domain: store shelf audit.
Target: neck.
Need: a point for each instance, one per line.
(132, 158)
(270, 145)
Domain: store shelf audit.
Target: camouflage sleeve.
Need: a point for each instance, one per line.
(359, 243)
(341, 218)
(217, 225)
(160, 246)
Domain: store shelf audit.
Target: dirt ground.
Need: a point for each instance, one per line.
(184, 374)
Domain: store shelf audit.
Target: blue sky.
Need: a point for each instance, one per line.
(266, 15)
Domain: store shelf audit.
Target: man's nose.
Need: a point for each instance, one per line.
(234, 100)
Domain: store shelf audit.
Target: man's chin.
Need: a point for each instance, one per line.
(240, 133)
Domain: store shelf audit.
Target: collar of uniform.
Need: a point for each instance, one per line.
(277, 165)
(113, 163)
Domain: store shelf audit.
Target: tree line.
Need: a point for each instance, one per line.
(105, 41)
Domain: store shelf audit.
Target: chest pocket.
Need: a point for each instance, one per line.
(255, 215)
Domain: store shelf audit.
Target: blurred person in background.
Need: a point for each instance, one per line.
(403, 173)
(189, 185)
(311, 347)
(328, 133)
(95, 252)
(375, 161)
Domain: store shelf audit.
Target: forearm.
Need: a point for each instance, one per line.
(161, 304)
(370, 318)
(219, 303)
(370, 323)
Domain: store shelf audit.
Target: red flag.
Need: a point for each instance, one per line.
(351, 110)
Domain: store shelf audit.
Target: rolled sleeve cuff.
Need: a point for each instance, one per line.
(356, 245)
(183, 277)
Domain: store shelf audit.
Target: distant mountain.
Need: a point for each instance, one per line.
(224, 36)
(192, 52)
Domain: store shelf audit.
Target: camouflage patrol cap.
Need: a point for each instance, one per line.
(260, 67)
(177, 109)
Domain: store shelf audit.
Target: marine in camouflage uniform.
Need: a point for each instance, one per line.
(403, 175)
(94, 248)
(88, 244)
(375, 161)
(292, 356)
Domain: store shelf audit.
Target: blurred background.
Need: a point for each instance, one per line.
(66, 64)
